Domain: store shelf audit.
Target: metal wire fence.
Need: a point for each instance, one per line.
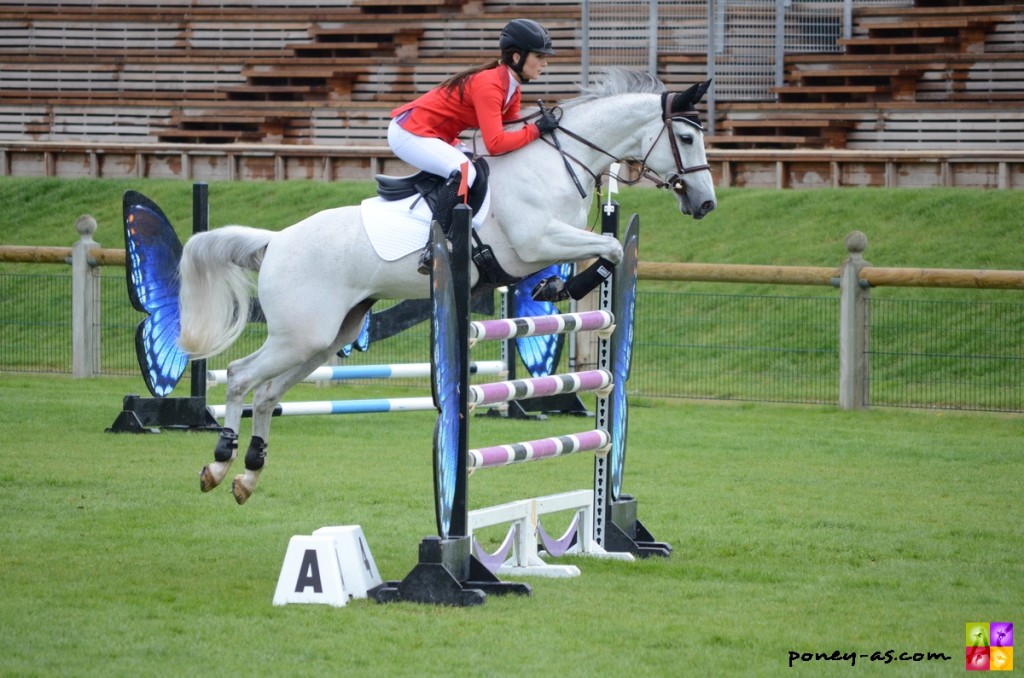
(31, 340)
(736, 347)
(962, 354)
(947, 355)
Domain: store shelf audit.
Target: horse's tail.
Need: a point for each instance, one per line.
(216, 285)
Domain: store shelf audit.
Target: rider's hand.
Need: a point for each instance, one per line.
(547, 123)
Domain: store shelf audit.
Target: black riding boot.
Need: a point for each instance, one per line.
(447, 199)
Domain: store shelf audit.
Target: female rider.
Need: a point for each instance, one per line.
(424, 132)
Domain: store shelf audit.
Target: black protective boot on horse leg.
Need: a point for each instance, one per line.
(580, 285)
(447, 199)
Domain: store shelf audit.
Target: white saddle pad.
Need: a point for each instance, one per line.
(399, 227)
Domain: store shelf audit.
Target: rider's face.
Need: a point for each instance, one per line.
(534, 66)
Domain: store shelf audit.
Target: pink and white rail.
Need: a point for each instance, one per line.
(510, 328)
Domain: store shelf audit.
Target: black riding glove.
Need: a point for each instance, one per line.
(547, 123)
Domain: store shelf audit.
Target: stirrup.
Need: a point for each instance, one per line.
(426, 258)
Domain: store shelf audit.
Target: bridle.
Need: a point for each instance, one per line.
(674, 180)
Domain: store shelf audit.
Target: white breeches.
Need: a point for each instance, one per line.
(428, 153)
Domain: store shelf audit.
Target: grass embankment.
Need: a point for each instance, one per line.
(939, 228)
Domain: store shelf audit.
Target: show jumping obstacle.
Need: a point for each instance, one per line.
(143, 415)
(450, 570)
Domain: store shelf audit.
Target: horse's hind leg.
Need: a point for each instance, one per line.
(244, 375)
(265, 399)
(211, 475)
(240, 381)
(268, 394)
(244, 484)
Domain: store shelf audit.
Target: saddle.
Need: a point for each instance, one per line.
(428, 186)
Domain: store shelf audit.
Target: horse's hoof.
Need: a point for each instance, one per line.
(550, 289)
(207, 480)
(238, 488)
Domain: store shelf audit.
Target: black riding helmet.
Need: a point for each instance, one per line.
(525, 36)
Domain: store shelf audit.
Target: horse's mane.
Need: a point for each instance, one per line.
(617, 81)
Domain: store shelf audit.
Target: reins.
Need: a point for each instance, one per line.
(565, 159)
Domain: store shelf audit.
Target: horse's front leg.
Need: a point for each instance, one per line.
(560, 241)
(226, 450)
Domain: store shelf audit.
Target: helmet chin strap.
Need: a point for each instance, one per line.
(517, 68)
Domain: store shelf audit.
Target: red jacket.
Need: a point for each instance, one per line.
(442, 114)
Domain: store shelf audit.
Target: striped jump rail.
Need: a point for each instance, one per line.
(511, 328)
(597, 440)
(535, 387)
(355, 406)
(396, 371)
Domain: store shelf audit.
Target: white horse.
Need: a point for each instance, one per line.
(319, 277)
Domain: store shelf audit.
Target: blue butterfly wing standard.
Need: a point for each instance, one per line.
(362, 342)
(153, 253)
(445, 384)
(540, 354)
(624, 304)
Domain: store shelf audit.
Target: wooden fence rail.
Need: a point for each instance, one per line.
(28, 254)
(655, 270)
(737, 273)
(812, 275)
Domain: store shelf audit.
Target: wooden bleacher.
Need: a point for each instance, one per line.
(319, 72)
(925, 77)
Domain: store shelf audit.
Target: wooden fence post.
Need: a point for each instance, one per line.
(85, 302)
(854, 328)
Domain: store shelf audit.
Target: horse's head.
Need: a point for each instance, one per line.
(677, 154)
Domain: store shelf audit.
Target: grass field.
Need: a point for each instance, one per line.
(796, 529)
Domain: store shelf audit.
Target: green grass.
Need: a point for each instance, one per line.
(795, 529)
